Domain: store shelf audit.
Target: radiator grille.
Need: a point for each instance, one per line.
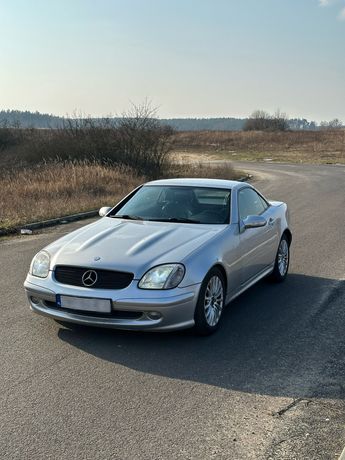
(106, 279)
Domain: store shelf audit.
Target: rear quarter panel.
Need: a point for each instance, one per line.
(281, 214)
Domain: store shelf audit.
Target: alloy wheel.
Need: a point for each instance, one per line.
(214, 300)
(283, 257)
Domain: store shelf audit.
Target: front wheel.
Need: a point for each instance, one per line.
(282, 261)
(210, 303)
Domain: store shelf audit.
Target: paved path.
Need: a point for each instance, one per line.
(269, 385)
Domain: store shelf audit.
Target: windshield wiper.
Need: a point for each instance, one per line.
(128, 216)
(181, 220)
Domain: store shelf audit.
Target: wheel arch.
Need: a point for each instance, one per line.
(288, 235)
(223, 271)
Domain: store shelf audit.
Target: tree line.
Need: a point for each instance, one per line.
(258, 120)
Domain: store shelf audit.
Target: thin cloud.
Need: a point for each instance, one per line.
(342, 15)
(325, 3)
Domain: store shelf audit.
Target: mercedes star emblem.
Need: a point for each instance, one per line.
(89, 278)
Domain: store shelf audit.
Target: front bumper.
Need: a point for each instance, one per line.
(131, 307)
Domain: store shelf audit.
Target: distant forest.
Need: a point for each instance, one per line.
(26, 119)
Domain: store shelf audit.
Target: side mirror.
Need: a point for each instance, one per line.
(254, 222)
(104, 211)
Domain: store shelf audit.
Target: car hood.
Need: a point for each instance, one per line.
(132, 246)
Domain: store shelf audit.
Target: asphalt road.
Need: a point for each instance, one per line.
(269, 385)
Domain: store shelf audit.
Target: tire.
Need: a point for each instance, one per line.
(281, 265)
(211, 303)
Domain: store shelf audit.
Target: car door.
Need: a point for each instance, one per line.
(256, 244)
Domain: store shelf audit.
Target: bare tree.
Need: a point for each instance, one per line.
(143, 141)
(136, 139)
(263, 121)
(332, 124)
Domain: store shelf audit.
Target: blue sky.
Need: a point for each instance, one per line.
(190, 57)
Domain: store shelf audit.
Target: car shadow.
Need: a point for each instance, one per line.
(275, 339)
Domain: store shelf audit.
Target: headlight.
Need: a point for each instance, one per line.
(40, 265)
(163, 277)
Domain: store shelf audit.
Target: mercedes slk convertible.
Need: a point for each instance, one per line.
(171, 255)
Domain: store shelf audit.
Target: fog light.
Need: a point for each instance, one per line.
(154, 315)
(35, 300)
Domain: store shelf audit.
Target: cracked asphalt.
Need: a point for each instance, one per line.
(269, 385)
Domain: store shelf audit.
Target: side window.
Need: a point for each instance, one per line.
(263, 202)
(250, 203)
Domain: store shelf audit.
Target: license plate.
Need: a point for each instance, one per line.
(84, 303)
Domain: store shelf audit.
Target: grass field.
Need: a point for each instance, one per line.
(318, 147)
(35, 191)
(61, 188)
(53, 190)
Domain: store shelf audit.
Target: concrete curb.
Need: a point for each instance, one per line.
(342, 455)
(50, 222)
(70, 218)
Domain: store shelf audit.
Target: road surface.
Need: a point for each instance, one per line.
(269, 385)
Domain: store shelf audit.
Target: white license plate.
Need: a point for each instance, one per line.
(85, 303)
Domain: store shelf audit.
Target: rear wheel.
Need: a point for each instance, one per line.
(210, 306)
(282, 261)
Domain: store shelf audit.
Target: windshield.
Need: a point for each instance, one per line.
(200, 205)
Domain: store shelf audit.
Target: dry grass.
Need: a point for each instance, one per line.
(204, 170)
(61, 188)
(58, 189)
(136, 140)
(293, 146)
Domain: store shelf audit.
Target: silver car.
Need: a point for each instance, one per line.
(171, 255)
